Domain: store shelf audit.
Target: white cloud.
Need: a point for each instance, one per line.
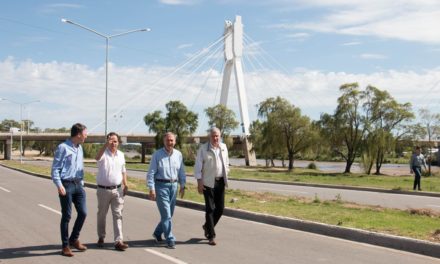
(72, 93)
(299, 36)
(184, 46)
(51, 8)
(354, 43)
(179, 2)
(409, 20)
(371, 56)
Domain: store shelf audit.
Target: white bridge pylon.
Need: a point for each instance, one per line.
(233, 52)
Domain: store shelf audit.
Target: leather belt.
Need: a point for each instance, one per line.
(109, 187)
(218, 178)
(77, 180)
(166, 180)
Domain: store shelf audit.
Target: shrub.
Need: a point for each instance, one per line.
(189, 162)
(312, 166)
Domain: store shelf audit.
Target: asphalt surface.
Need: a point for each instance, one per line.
(388, 200)
(30, 234)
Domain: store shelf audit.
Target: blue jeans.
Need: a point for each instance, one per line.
(417, 176)
(166, 201)
(75, 194)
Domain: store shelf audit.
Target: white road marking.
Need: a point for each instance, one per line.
(431, 205)
(172, 259)
(6, 190)
(50, 209)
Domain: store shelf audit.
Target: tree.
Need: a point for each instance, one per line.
(156, 124)
(178, 120)
(6, 124)
(383, 116)
(344, 128)
(222, 118)
(287, 122)
(430, 122)
(263, 143)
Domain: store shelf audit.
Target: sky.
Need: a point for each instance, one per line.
(301, 50)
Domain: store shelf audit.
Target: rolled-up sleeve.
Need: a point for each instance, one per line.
(57, 165)
(151, 172)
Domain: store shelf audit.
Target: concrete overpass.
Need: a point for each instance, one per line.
(146, 141)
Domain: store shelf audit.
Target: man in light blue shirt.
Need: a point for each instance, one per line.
(166, 169)
(67, 174)
(415, 165)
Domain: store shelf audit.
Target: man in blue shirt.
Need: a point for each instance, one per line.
(67, 174)
(415, 165)
(166, 169)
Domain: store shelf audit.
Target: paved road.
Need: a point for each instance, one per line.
(400, 201)
(29, 226)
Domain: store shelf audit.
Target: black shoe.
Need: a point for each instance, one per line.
(205, 230)
(100, 243)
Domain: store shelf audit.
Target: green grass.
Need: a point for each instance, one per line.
(420, 224)
(404, 183)
(431, 184)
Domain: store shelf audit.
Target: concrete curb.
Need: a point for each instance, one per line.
(384, 240)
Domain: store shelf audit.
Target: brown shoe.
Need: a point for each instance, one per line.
(76, 244)
(121, 246)
(66, 252)
(212, 242)
(100, 243)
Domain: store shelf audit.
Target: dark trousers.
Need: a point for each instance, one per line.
(214, 205)
(76, 195)
(417, 175)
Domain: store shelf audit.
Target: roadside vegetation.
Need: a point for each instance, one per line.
(314, 176)
(415, 223)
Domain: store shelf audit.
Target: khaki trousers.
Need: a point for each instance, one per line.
(115, 199)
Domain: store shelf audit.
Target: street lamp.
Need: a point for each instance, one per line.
(107, 38)
(21, 122)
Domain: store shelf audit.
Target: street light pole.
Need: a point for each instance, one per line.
(107, 38)
(21, 122)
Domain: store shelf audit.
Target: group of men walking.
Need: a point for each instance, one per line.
(165, 173)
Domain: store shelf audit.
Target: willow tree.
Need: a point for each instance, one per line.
(178, 120)
(344, 129)
(287, 124)
(384, 116)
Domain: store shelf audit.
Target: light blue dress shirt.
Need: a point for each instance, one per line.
(166, 167)
(68, 163)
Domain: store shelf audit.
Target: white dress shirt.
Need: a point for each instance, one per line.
(110, 168)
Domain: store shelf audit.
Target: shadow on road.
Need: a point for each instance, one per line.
(30, 251)
(51, 250)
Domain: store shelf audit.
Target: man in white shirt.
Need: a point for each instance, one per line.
(211, 171)
(112, 186)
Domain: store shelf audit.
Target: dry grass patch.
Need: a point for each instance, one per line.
(436, 235)
(424, 211)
